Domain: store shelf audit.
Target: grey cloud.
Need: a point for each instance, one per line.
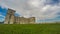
(37, 8)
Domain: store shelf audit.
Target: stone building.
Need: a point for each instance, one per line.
(12, 19)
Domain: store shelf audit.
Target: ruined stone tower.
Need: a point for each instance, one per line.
(9, 17)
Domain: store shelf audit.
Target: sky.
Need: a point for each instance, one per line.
(43, 10)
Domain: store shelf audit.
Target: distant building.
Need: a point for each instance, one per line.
(12, 19)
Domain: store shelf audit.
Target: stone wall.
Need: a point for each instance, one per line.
(22, 20)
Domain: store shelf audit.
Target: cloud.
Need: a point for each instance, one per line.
(2, 18)
(41, 9)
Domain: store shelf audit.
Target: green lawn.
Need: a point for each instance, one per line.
(30, 29)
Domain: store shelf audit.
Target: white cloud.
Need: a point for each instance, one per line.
(2, 18)
(36, 8)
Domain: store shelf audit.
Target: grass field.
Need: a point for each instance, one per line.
(30, 29)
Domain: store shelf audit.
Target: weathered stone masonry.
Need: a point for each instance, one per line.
(12, 19)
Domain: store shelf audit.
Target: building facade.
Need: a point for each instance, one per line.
(12, 19)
